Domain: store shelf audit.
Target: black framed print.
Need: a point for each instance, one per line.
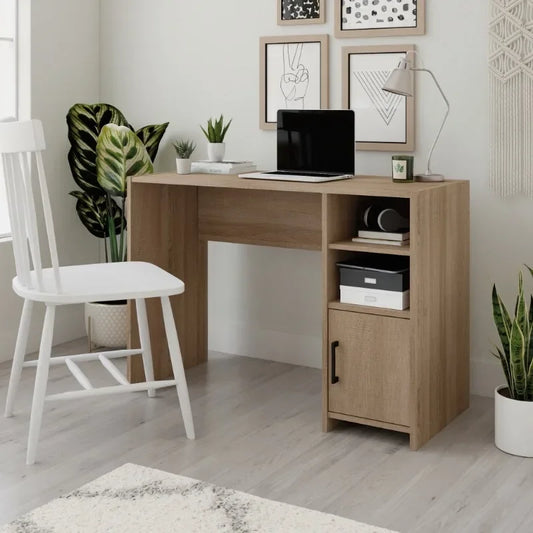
(301, 12)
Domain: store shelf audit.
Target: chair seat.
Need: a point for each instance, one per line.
(101, 282)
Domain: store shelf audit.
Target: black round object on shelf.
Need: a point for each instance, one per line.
(390, 220)
(378, 218)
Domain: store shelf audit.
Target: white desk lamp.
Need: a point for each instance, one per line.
(401, 81)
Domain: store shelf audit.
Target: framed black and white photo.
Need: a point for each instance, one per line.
(301, 12)
(294, 75)
(384, 121)
(379, 18)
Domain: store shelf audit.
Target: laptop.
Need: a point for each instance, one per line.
(313, 146)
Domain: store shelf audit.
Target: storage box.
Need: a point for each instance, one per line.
(374, 297)
(377, 280)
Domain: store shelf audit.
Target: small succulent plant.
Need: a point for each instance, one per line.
(184, 148)
(216, 130)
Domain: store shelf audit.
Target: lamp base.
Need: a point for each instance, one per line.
(429, 177)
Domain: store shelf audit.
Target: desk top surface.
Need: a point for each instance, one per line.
(360, 185)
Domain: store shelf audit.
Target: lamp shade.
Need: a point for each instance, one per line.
(401, 80)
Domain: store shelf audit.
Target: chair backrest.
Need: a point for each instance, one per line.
(20, 143)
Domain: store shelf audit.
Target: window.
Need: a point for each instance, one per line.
(8, 85)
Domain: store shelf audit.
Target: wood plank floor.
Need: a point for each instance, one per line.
(258, 427)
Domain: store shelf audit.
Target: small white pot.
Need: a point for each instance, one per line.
(216, 151)
(107, 324)
(183, 166)
(513, 424)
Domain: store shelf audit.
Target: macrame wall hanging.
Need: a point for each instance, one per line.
(511, 97)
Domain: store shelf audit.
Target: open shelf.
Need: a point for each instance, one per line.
(381, 311)
(351, 246)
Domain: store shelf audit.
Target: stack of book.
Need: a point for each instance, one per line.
(400, 238)
(222, 167)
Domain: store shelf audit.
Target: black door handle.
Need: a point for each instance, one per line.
(334, 377)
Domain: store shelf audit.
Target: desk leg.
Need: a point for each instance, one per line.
(163, 229)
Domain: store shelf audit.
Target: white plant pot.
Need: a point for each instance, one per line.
(183, 166)
(107, 324)
(513, 424)
(216, 151)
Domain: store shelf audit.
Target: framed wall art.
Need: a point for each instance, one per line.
(379, 18)
(383, 121)
(301, 12)
(293, 75)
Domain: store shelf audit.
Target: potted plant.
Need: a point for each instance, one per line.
(215, 133)
(184, 149)
(514, 400)
(105, 150)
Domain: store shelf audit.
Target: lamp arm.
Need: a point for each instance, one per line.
(445, 116)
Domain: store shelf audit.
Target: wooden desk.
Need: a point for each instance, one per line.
(402, 370)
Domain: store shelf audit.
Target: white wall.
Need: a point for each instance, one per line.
(64, 70)
(185, 61)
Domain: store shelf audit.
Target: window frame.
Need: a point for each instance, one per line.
(22, 49)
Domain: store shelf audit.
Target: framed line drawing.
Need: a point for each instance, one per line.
(379, 18)
(301, 12)
(293, 75)
(383, 121)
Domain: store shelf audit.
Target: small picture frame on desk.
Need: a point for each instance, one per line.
(293, 75)
(379, 18)
(385, 121)
(292, 12)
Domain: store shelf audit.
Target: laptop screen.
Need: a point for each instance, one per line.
(317, 141)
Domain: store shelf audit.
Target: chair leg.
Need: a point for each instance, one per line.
(41, 380)
(177, 366)
(18, 357)
(144, 335)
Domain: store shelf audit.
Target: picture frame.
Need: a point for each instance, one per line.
(295, 12)
(384, 19)
(293, 75)
(384, 121)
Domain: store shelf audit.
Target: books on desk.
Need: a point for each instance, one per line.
(382, 237)
(222, 167)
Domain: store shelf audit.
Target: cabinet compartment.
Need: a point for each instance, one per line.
(372, 363)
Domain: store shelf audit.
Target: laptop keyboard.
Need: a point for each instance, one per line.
(312, 174)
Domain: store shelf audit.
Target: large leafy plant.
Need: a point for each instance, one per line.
(100, 164)
(516, 336)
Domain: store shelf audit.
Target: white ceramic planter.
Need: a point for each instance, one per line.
(107, 324)
(216, 151)
(513, 424)
(183, 166)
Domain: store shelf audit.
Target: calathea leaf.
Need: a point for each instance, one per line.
(84, 172)
(120, 154)
(92, 208)
(151, 137)
(85, 121)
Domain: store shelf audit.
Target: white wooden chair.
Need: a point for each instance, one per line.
(20, 142)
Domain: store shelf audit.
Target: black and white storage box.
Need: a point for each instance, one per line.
(376, 280)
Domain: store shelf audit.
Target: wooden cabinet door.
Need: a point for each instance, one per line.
(372, 361)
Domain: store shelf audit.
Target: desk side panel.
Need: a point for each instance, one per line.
(440, 291)
(263, 217)
(163, 230)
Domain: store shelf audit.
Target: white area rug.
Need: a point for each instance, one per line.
(134, 499)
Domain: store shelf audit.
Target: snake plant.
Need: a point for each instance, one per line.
(100, 202)
(216, 130)
(516, 337)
